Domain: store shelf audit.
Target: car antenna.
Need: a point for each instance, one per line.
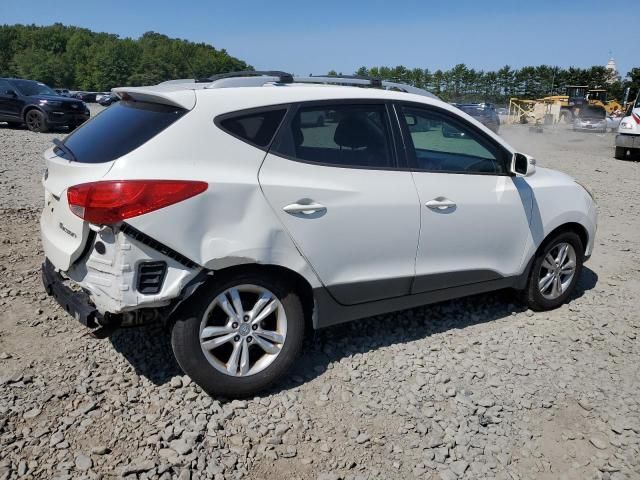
(193, 71)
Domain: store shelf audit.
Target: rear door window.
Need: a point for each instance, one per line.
(340, 135)
(256, 128)
(118, 130)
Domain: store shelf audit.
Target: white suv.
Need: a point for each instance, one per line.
(244, 211)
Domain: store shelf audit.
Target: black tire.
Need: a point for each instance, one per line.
(36, 121)
(531, 295)
(185, 338)
(620, 153)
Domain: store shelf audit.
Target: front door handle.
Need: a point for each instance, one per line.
(304, 208)
(440, 203)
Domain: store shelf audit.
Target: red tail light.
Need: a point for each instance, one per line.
(113, 201)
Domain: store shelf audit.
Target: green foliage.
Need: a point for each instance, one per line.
(462, 84)
(78, 58)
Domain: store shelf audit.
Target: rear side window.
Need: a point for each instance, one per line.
(118, 130)
(257, 128)
(341, 135)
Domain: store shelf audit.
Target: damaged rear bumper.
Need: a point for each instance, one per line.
(75, 303)
(122, 274)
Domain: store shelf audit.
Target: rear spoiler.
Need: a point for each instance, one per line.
(177, 97)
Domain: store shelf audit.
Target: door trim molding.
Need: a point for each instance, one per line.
(329, 312)
(438, 281)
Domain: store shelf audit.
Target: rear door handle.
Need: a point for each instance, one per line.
(305, 209)
(440, 203)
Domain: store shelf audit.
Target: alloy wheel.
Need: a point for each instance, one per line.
(34, 121)
(243, 330)
(557, 271)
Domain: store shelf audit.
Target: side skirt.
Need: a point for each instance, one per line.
(329, 312)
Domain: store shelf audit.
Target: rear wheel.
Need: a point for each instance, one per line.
(620, 153)
(240, 336)
(555, 272)
(36, 121)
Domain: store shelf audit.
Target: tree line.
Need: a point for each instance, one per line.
(464, 84)
(79, 59)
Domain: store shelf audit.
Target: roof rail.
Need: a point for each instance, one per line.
(259, 78)
(362, 81)
(282, 77)
(373, 81)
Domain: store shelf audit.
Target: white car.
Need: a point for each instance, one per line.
(628, 137)
(214, 207)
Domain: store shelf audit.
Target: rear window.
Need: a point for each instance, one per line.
(592, 111)
(473, 110)
(257, 128)
(119, 130)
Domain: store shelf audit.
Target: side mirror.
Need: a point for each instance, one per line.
(523, 165)
(11, 93)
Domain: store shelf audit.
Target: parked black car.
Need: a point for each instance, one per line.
(89, 97)
(108, 99)
(38, 106)
(485, 113)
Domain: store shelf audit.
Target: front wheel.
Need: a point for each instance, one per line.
(36, 121)
(239, 336)
(555, 272)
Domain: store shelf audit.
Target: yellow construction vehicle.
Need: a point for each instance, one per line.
(550, 109)
(598, 96)
(561, 108)
(570, 103)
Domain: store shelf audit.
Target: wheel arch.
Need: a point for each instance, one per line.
(297, 282)
(574, 227)
(28, 108)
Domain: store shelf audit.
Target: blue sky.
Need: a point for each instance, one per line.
(314, 37)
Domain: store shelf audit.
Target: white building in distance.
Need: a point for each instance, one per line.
(613, 70)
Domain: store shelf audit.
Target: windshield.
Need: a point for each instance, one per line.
(473, 110)
(593, 111)
(30, 87)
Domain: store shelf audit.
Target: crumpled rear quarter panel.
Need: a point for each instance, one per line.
(111, 277)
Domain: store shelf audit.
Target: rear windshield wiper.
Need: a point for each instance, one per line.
(58, 143)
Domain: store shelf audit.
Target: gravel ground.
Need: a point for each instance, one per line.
(477, 388)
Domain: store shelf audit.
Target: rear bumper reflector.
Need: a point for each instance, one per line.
(151, 277)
